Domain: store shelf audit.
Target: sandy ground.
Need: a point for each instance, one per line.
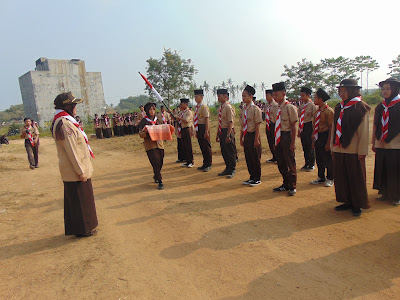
(202, 237)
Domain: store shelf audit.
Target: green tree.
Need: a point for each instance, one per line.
(14, 113)
(395, 68)
(365, 64)
(337, 69)
(304, 73)
(132, 103)
(171, 76)
(206, 87)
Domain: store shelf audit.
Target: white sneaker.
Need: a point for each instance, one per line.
(191, 165)
(329, 183)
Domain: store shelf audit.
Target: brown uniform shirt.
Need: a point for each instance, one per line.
(359, 142)
(34, 131)
(273, 110)
(254, 116)
(148, 143)
(203, 112)
(73, 153)
(187, 119)
(98, 121)
(325, 119)
(288, 116)
(311, 108)
(227, 115)
(167, 117)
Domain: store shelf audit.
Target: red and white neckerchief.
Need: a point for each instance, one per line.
(180, 121)
(339, 121)
(316, 124)
(303, 112)
(385, 116)
(30, 137)
(129, 119)
(63, 114)
(106, 120)
(196, 117)
(278, 124)
(97, 120)
(163, 118)
(148, 119)
(267, 115)
(245, 119)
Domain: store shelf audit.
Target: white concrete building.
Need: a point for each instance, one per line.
(51, 77)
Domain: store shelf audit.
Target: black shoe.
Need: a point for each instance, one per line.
(223, 173)
(179, 161)
(343, 207)
(160, 185)
(86, 234)
(281, 188)
(201, 168)
(292, 192)
(255, 182)
(32, 167)
(247, 182)
(231, 174)
(309, 169)
(304, 168)
(356, 211)
(272, 160)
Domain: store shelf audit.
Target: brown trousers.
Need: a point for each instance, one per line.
(306, 142)
(349, 177)
(98, 133)
(286, 160)
(387, 173)
(156, 158)
(186, 141)
(32, 152)
(271, 138)
(79, 209)
(228, 150)
(253, 156)
(205, 145)
(324, 158)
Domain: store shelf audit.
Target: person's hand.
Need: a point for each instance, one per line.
(257, 143)
(145, 129)
(227, 140)
(27, 130)
(292, 147)
(328, 147)
(217, 138)
(298, 134)
(206, 135)
(82, 178)
(361, 157)
(373, 148)
(241, 142)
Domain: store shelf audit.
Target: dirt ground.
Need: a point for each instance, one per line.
(202, 237)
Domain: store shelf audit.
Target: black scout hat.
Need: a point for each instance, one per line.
(306, 90)
(222, 92)
(390, 80)
(280, 86)
(198, 92)
(323, 95)
(268, 92)
(250, 89)
(349, 83)
(184, 100)
(65, 99)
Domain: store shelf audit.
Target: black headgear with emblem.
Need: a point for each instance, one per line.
(323, 95)
(306, 90)
(65, 99)
(250, 90)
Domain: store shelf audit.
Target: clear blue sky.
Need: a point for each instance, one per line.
(243, 40)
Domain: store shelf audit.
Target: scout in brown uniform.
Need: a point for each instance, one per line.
(285, 136)
(31, 135)
(250, 121)
(323, 119)
(386, 142)
(74, 153)
(270, 110)
(141, 113)
(179, 147)
(350, 135)
(225, 134)
(202, 130)
(185, 120)
(163, 116)
(97, 126)
(107, 126)
(154, 149)
(306, 112)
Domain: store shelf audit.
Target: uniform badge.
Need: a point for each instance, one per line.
(69, 131)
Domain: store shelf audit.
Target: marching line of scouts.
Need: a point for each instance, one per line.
(335, 139)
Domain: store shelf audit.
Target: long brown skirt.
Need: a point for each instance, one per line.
(348, 175)
(79, 208)
(387, 173)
